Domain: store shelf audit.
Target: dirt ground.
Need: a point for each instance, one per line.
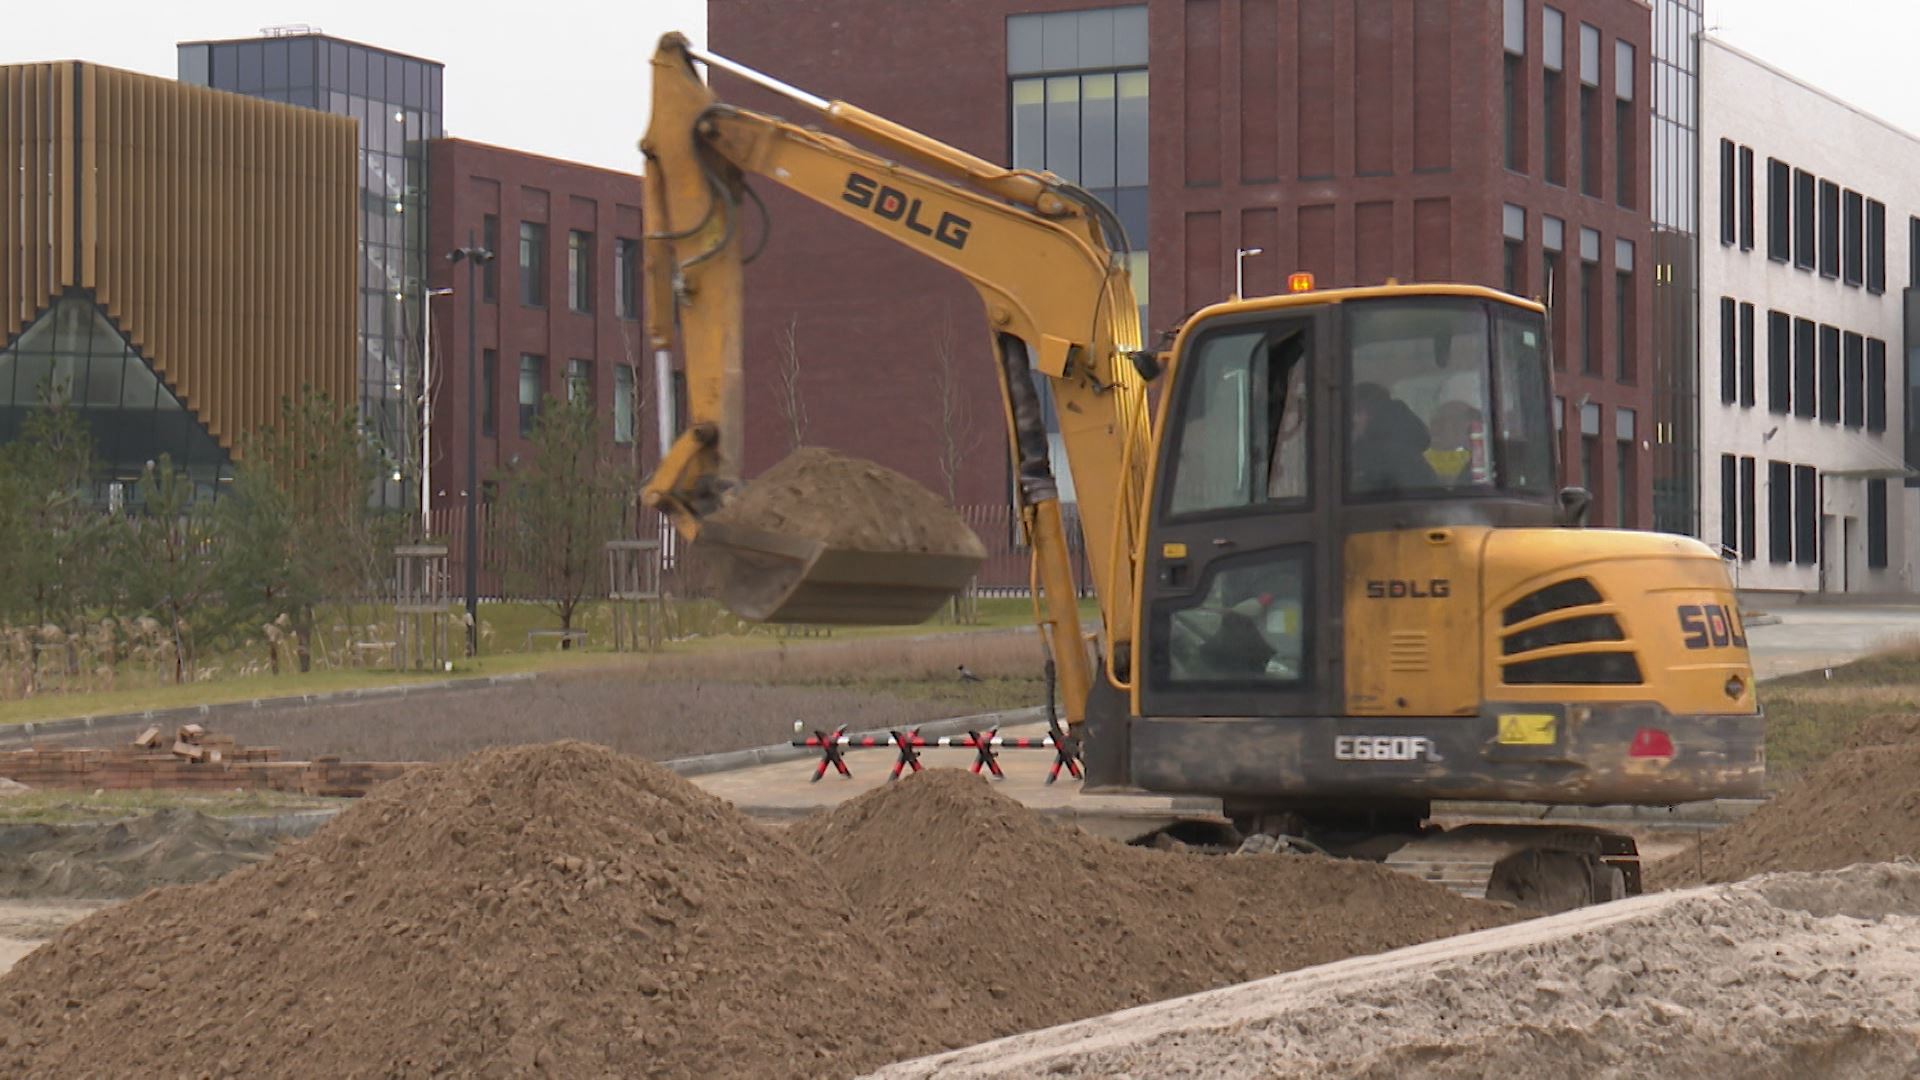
(26, 924)
(566, 910)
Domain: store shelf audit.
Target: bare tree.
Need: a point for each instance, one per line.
(792, 407)
(958, 439)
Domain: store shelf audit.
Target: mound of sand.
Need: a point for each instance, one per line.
(171, 847)
(1860, 805)
(559, 909)
(848, 502)
(1039, 923)
(1788, 975)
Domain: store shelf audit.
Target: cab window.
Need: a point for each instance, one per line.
(1242, 439)
(1417, 398)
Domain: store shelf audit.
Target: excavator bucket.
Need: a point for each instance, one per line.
(825, 538)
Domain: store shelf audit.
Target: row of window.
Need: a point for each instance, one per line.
(1813, 370)
(1553, 111)
(1582, 321)
(1613, 491)
(531, 390)
(1793, 513)
(1811, 222)
(580, 268)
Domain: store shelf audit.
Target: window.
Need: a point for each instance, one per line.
(1626, 133)
(1729, 502)
(1515, 89)
(1626, 341)
(626, 277)
(1854, 381)
(489, 391)
(1779, 362)
(1589, 141)
(1779, 512)
(1805, 365)
(1078, 99)
(1806, 516)
(1553, 43)
(533, 264)
(1829, 229)
(1877, 524)
(532, 385)
(1513, 228)
(1591, 319)
(1554, 128)
(579, 270)
(1209, 645)
(1420, 400)
(580, 382)
(1749, 529)
(1830, 374)
(1876, 385)
(1729, 351)
(490, 270)
(1746, 355)
(1590, 472)
(1552, 239)
(1729, 208)
(624, 413)
(1876, 247)
(1779, 211)
(1246, 406)
(1744, 171)
(1853, 229)
(1624, 464)
(1804, 234)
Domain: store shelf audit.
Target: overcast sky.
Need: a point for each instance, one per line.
(567, 77)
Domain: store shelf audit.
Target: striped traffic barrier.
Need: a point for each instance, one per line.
(987, 747)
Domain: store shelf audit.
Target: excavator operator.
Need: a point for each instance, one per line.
(1389, 444)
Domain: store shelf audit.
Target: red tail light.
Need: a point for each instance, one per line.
(1650, 742)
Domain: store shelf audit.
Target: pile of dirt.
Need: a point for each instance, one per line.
(560, 909)
(1041, 923)
(1860, 805)
(848, 502)
(1787, 975)
(170, 847)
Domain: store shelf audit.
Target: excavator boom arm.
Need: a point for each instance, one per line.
(1040, 253)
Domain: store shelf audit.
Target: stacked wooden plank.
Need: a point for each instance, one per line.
(194, 759)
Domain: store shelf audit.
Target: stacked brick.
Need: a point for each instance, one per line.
(193, 759)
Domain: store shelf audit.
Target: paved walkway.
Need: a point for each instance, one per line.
(1813, 637)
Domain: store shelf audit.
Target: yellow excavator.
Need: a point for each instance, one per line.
(1337, 579)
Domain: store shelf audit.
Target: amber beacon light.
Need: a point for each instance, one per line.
(1300, 281)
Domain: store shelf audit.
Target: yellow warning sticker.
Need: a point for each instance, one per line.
(1526, 729)
(1173, 551)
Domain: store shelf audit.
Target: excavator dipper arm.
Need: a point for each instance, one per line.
(1041, 253)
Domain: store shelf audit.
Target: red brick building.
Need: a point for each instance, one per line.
(1502, 142)
(558, 307)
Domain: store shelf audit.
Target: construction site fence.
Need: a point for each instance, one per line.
(1006, 572)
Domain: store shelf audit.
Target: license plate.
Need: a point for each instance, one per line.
(1526, 729)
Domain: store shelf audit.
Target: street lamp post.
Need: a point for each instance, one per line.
(1240, 270)
(426, 411)
(474, 255)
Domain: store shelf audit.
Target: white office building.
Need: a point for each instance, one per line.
(1805, 257)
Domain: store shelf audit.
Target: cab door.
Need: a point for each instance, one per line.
(1240, 594)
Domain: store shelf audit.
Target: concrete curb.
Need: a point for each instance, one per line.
(728, 761)
(32, 729)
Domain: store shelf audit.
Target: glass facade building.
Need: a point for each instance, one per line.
(73, 357)
(396, 99)
(1676, 201)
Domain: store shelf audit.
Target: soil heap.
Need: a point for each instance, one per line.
(171, 847)
(1860, 805)
(1786, 975)
(848, 502)
(558, 909)
(1040, 923)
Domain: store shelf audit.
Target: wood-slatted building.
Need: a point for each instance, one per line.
(174, 261)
